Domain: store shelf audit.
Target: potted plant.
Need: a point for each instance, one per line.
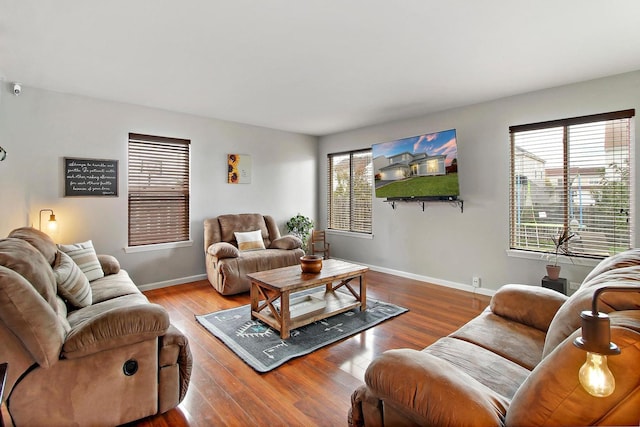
(301, 227)
(560, 242)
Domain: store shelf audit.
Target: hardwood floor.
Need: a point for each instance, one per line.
(313, 390)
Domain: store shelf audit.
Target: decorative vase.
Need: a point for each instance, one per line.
(311, 264)
(553, 271)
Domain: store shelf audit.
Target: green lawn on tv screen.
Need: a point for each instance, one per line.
(441, 185)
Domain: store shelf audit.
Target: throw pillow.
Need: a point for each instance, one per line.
(72, 283)
(85, 256)
(249, 241)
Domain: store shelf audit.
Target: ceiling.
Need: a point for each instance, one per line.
(313, 66)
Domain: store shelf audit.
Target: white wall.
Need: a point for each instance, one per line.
(39, 128)
(446, 246)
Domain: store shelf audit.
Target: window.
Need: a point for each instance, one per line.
(573, 173)
(350, 178)
(158, 190)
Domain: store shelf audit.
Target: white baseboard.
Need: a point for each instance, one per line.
(433, 280)
(172, 282)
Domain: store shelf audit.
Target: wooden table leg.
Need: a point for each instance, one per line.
(363, 292)
(285, 315)
(255, 297)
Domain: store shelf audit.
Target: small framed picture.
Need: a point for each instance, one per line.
(239, 168)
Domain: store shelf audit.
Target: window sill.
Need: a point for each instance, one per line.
(350, 234)
(562, 259)
(158, 247)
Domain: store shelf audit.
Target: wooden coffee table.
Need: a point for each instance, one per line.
(271, 291)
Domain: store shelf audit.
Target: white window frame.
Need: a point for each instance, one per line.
(584, 247)
(356, 217)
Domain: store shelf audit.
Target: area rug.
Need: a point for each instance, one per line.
(261, 347)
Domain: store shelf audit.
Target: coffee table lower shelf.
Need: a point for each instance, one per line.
(335, 303)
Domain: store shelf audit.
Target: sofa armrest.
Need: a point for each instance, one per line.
(116, 328)
(432, 390)
(223, 250)
(109, 264)
(173, 349)
(530, 305)
(286, 242)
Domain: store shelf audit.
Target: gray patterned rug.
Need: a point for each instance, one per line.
(261, 347)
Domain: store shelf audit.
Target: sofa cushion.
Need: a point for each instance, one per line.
(30, 317)
(438, 392)
(113, 286)
(567, 320)
(495, 333)
(234, 270)
(552, 394)
(249, 241)
(73, 285)
(488, 368)
(26, 260)
(229, 224)
(39, 240)
(85, 256)
(114, 323)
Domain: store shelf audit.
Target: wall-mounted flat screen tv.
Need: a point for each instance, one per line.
(423, 167)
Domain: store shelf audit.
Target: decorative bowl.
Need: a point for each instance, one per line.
(311, 263)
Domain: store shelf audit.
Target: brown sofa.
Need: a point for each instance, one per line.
(227, 266)
(114, 359)
(515, 364)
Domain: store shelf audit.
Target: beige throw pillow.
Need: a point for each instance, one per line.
(73, 285)
(249, 241)
(85, 256)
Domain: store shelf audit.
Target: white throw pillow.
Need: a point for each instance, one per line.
(73, 285)
(85, 256)
(249, 241)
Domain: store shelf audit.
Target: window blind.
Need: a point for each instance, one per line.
(349, 201)
(158, 189)
(574, 174)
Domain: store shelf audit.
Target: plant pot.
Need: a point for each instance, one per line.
(311, 264)
(553, 271)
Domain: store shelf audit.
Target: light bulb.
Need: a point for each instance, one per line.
(53, 224)
(595, 376)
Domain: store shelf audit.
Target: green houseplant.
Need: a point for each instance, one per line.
(560, 242)
(301, 227)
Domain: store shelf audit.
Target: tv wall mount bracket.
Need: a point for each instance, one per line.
(421, 201)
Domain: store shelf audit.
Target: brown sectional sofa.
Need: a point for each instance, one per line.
(110, 362)
(515, 364)
(227, 266)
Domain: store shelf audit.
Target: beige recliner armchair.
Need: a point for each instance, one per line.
(115, 359)
(515, 364)
(227, 264)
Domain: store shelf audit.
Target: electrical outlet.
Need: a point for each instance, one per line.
(574, 285)
(475, 282)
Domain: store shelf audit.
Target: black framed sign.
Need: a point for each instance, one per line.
(90, 177)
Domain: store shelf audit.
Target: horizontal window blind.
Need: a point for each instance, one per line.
(158, 190)
(572, 174)
(349, 201)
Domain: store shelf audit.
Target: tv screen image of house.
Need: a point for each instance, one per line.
(423, 167)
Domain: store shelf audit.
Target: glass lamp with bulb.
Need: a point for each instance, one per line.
(595, 376)
(52, 224)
